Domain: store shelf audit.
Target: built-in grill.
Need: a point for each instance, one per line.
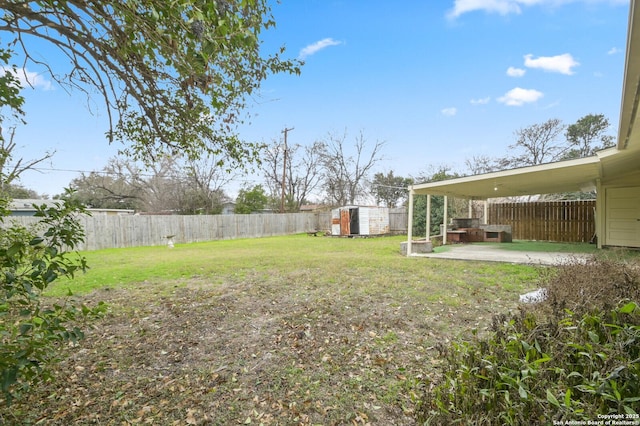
(469, 230)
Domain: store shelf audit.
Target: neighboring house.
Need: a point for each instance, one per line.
(228, 208)
(614, 173)
(24, 207)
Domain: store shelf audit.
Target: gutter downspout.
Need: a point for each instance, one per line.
(600, 219)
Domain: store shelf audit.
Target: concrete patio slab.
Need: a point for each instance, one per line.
(497, 254)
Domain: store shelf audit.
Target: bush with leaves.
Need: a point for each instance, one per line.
(549, 363)
(31, 259)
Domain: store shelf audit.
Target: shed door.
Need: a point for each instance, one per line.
(623, 217)
(354, 223)
(344, 222)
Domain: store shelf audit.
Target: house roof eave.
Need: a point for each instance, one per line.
(631, 83)
(562, 176)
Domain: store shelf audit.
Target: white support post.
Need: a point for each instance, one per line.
(471, 207)
(486, 212)
(600, 223)
(410, 221)
(446, 220)
(428, 221)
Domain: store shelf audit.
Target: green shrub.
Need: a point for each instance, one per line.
(548, 363)
(30, 260)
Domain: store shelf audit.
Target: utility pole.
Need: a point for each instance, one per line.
(284, 168)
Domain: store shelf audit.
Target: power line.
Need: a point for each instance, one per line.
(49, 169)
(392, 187)
(240, 181)
(102, 172)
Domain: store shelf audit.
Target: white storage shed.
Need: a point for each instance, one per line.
(359, 221)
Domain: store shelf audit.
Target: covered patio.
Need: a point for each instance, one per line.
(613, 173)
(610, 168)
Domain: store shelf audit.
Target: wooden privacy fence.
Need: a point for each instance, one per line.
(563, 221)
(104, 231)
(567, 221)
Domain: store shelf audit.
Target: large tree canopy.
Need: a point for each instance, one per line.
(174, 75)
(584, 135)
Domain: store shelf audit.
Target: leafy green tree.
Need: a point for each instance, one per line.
(390, 190)
(31, 259)
(584, 138)
(251, 200)
(588, 135)
(437, 203)
(10, 87)
(174, 75)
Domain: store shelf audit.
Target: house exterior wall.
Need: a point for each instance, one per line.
(621, 216)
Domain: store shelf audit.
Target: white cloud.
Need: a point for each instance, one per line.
(482, 101)
(613, 51)
(562, 64)
(519, 96)
(29, 78)
(449, 112)
(317, 46)
(515, 72)
(505, 7)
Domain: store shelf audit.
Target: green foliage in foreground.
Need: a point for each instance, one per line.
(549, 363)
(31, 259)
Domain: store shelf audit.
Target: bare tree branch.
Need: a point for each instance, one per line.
(10, 172)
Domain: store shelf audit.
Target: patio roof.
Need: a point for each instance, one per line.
(562, 176)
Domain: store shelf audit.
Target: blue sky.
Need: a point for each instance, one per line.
(439, 81)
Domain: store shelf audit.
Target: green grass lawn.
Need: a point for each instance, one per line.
(216, 261)
(281, 330)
